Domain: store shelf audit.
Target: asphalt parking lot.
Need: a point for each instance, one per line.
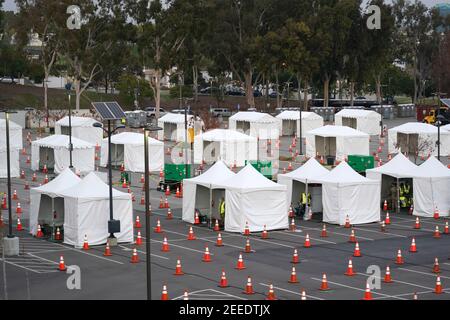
(34, 275)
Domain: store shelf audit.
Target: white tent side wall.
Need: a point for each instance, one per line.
(286, 181)
(430, 194)
(189, 196)
(310, 145)
(308, 125)
(35, 200)
(14, 163)
(351, 145)
(82, 159)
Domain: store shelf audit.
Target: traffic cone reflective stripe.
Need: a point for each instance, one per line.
(134, 256)
(350, 271)
(191, 235)
(399, 259)
(357, 252)
(367, 293)
(324, 285)
(223, 280)
(437, 233)
(219, 242)
(436, 268)
(293, 278)
(158, 228)
(240, 263)
(138, 239)
(387, 276)
(388, 219)
(249, 287)
(85, 243)
(307, 243)
(164, 295)
(39, 233)
(206, 255)
(324, 233)
(62, 265)
(271, 293)
(438, 287)
(165, 246)
(413, 247)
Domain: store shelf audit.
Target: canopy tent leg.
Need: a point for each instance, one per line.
(210, 206)
(398, 195)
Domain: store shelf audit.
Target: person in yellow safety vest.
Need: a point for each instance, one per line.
(407, 193)
(305, 199)
(402, 194)
(222, 209)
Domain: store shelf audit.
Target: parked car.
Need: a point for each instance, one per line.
(151, 112)
(206, 90)
(252, 109)
(216, 112)
(181, 111)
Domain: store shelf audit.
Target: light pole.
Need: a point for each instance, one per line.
(70, 134)
(112, 224)
(147, 129)
(11, 242)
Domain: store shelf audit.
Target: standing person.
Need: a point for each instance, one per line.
(222, 210)
(393, 196)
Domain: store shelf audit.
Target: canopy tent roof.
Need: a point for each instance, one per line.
(249, 179)
(58, 141)
(311, 170)
(446, 127)
(12, 125)
(15, 135)
(398, 167)
(337, 131)
(415, 127)
(344, 174)
(133, 138)
(173, 118)
(76, 121)
(225, 135)
(250, 116)
(432, 168)
(295, 115)
(66, 179)
(213, 177)
(93, 188)
(357, 113)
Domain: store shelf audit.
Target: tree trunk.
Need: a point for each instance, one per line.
(77, 94)
(157, 92)
(46, 98)
(299, 85)
(195, 80)
(352, 93)
(278, 89)
(326, 92)
(106, 83)
(378, 88)
(249, 89)
(415, 80)
(305, 96)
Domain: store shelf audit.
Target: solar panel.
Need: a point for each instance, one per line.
(446, 102)
(109, 110)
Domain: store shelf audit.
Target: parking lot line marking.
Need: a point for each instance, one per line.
(428, 274)
(398, 281)
(155, 255)
(48, 251)
(89, 254)
(381, 232)
(411, 294)
(422, 219)
(293, 292)
(410, 227)
(223, 294)
(17, 265)
(300, 236)
(338, 233)
(359, 289)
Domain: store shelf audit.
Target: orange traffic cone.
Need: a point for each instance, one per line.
(219, 242)
(295, 257)
(387, 275)
(247, 229)
(191, 235)
(216, 226)
(158, 228)
(367, 293)
(206, 255)
(137, 223)
(122, 167)
(33, 178)
(196, 218)
(62, 265)
(85, 243)
(307, 243)
(387, 220)
(438, 287)
(165, 245)
(166, 204)
(167, 193)
(45, 170)
(240, 263)
(107, 252)
(436, 214)
(417, 223)
(223, 280)
(248, 248)
(19, 225)
(437, 233)
(169, 214)
(39, 233)
(249, 286)
(96, 157)
(58, 234)
(399, 259)
(413, 247)
(142, 202)
(289, 166)
(46, 179)
(436, 268)
(324, 233)
(290, 212)
(411, 210)
(383, 226)
(347, 222)
(26, 186)
(124, 184)
(18, 208)
(357, 252)
(303, 297)
(134, 256)
(446, 230)
(385, 205)
(178, 194)
(292, 226)
(138, 239)
(324, 285)
(1, 220)
(271, 293)
(142, 178)
(28, 160)
(293, 278)
(350, 271)
(164, 294)
(185, 295)
(352, 238)
(161, 203)
(265, 234)
(14, 196)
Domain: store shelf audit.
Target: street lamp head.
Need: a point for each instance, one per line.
(97, 125)
(152, 128)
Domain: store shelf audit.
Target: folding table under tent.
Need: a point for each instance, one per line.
(299, 180)
(230, 146)
(336, 141)
(399, 169)
(420, 138)
(15, 135)
(82, 128)
(86, 212)
(205, 191)
(290, 122)
(128, 148)
(46, 202)
(363, 120)
(431, 186)
(251, 197)
(256, 124)
(53, 151)
(347, 193)
(173, 127)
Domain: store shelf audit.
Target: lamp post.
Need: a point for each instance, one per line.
(147, 129)
(439, 119)
(112, 239)
(70, 134)
(11, 242)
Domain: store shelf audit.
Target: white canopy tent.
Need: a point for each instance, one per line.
(298, 182)
(347, 193)
(173, 127)
(431, 185)
(336, 141)
(420, 138)
(363, 120)
(15, 135)
(251, 197)
(47, 199)
(53, 151)
(14, 163)
(82, 128)
(256, 124)
(86, 207)
(446, 127)
(230, 146)
(204, 190)
(290, 122)
(128, 148)
(398, 168)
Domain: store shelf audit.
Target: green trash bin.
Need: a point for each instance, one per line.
(262, 166)
(361, 163)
